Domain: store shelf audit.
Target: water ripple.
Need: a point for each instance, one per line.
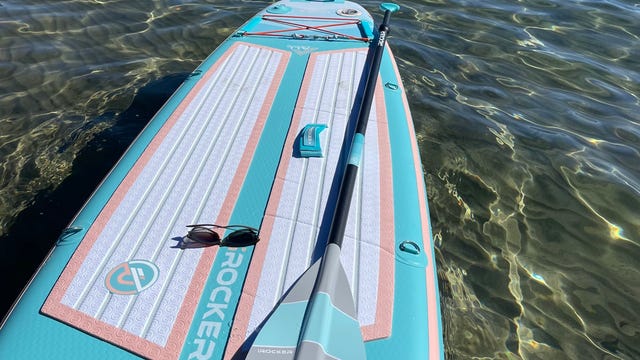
(530, 142)
(68, 68)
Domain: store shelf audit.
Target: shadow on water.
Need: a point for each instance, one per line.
(36, 229)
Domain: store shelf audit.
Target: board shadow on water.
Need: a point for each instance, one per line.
(36, 229)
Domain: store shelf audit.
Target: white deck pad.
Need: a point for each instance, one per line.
(295, 219)
(127, 282)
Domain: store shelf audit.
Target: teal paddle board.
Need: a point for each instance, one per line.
(253, 217)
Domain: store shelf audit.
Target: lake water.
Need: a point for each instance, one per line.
(528, 121)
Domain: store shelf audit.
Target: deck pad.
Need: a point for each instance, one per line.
(128, 282)
(294, 228)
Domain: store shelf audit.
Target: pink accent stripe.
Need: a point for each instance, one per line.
(381, 328)
(195, 290)
(433, 309)
(384, 310)
(53, 305)
(252, 280)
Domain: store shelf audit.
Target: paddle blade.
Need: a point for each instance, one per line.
(331, 329)
(313, 324)
(278, 336)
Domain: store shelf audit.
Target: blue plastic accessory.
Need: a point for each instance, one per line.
(309, 145)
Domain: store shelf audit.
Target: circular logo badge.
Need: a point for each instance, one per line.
(131, 277)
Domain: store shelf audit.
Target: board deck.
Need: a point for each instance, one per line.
(224, 149)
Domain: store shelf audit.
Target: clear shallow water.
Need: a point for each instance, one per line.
(527, 116)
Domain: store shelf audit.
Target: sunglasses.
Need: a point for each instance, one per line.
(240, 235)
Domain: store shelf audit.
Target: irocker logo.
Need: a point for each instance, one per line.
(131, 277)
(216, 318)
(274, 351)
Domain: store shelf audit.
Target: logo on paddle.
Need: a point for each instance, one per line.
(131, 277)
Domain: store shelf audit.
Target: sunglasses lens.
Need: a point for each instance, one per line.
(203, 235)
(240, 238)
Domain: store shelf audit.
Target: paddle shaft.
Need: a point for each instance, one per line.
(339, 221)
(324, 290)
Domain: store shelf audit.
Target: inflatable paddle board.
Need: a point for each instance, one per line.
(253, 217)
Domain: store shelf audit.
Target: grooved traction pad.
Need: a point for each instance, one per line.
(293, 232)
(127, 282)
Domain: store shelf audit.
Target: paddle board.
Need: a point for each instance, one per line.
(258, 136)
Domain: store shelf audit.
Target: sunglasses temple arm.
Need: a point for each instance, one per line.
(204, 225)
(223, 226)
(240, 226)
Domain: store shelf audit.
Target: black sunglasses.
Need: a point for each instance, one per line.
(241, 236)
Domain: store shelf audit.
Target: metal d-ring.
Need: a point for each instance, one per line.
(391, 86)
(410, 247)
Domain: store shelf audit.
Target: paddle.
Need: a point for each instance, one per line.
(317, 318)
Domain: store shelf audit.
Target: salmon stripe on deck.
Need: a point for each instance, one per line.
(192, 171)
(304, 188)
